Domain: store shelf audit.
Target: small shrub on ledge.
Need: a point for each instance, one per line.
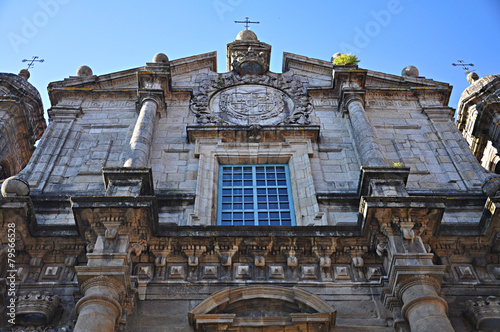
(346, 59)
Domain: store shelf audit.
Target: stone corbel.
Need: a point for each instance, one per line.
(324, 251)
(406, 227)
(357, 261)
(193, 254)
(290, 252)
(226, 253)
(161, 253)
(259, 251)
(36, 262)
(111, 226)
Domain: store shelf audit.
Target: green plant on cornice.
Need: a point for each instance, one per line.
(346, 59)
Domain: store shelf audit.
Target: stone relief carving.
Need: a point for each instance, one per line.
(251, 104)
(484, 314)
(269, 99)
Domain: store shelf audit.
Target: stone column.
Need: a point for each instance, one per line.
(424, 309)
(142, 137)
(99, 309)
(366, 140)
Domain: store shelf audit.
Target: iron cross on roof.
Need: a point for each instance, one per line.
(464, 65)
(246, 21)
(32, 61)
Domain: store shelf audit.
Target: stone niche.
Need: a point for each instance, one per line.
(252, 104)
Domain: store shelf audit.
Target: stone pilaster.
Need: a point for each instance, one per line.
(366, 139)
(142, 137)
(100, 309)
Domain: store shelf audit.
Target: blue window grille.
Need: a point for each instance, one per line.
(255, 195)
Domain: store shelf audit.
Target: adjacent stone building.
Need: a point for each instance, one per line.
(21, 122)
(172, 197)
(478, 119)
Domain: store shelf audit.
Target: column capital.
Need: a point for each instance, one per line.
(111, 283)
(157, 97)
(350, 96)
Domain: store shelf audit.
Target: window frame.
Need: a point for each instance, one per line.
(257, 186)
(294, 152)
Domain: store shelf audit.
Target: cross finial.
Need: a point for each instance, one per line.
(32, 61)
(246, 21)
(465, 66)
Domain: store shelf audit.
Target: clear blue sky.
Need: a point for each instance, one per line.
(386, 35)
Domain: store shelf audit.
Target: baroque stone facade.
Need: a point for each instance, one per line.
(171, 197)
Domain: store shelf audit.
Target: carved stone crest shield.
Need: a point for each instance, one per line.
(252, 104)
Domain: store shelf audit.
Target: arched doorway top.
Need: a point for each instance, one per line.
(262, 306)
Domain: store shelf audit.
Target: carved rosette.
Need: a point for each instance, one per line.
(271, 100)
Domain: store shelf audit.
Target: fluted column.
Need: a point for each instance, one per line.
(424, 309)
(142, 137)
(99, 309)
(364, 135)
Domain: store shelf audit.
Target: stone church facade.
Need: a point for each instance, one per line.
(172, 197)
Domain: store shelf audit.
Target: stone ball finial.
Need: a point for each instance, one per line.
(84, 71)
(24, 73)
(472, 77)
(160, 58)
(14, 186)
(247, 35)
(336, 55)
(411, 71)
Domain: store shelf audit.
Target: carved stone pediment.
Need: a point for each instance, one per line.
(264, 307)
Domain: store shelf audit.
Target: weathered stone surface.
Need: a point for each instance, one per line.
(396, 223)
